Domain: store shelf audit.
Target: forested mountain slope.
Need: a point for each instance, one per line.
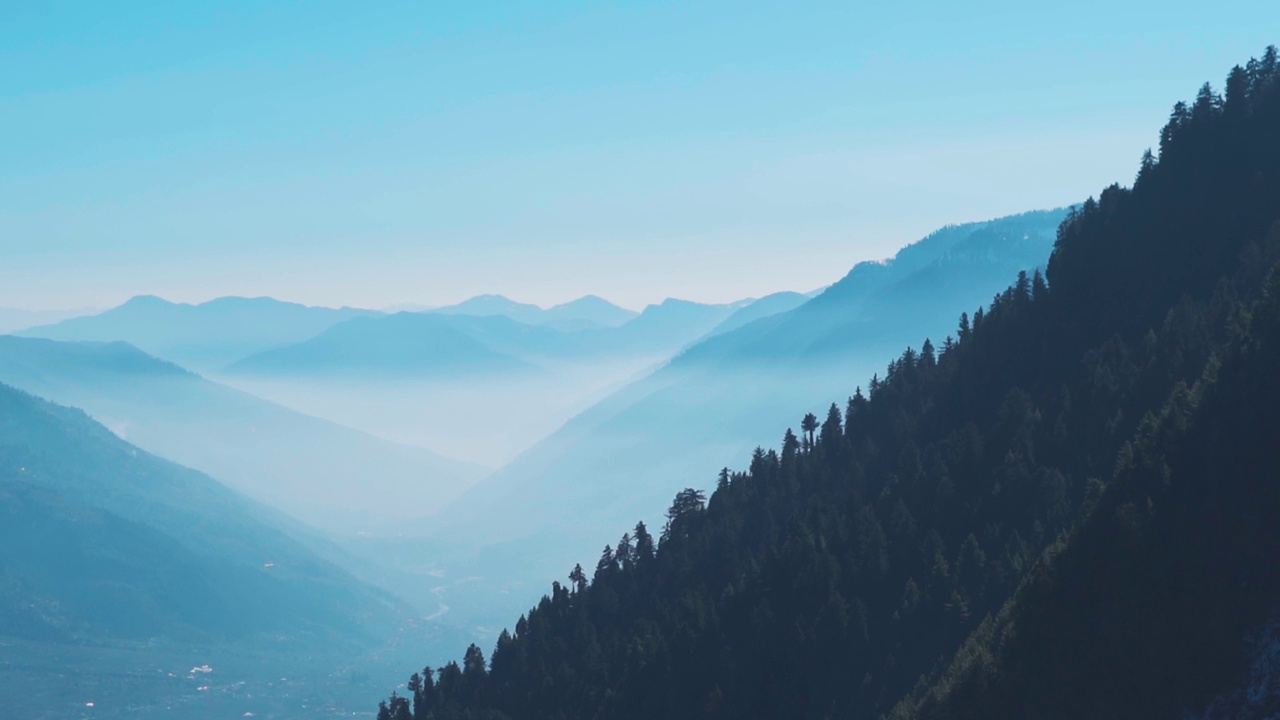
(1112, 403)
(1169, 591)
(1165, 600)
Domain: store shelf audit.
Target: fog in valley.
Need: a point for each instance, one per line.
(445, 465)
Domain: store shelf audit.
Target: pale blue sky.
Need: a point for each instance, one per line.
(373, 153)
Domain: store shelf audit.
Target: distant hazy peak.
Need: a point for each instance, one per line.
(487, 301)
(146, 301)
(591, 302)
(407, 307)
(778, 297)
(226, 301)
(670, 303)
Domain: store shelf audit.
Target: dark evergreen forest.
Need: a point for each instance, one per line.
(1071, 508)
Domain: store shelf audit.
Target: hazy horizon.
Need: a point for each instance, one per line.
(400, 306)
(423, 154)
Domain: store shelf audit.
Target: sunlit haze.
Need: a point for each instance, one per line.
(372, 154)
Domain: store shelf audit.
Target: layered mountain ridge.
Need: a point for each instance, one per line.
(315, 470)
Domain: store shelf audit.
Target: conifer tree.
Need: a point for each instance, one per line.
(808, 425)
(606, 565)
(578, 578)
(624, 555)
(832, 431)
(644, 549)
(927, 356)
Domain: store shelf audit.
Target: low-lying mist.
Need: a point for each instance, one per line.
(485, 420)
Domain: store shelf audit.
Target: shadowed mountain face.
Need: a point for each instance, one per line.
(204, 336)
(625, 457)
(315, 470)
(766, 306)
(102, 540)
(123, 571)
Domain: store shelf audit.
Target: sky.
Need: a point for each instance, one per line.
(423, 152)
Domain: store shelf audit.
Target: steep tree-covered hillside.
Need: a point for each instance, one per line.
(1102, 438)
(1160, 601)
(1165, 598)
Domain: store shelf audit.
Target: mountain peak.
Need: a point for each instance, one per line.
(489, 304)
(588, 301)
(672, 302)
(586, 312)
(146, 301)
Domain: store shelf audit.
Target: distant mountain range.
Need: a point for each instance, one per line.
(420, 378)
(313, 469)
(201, 337)
(589, 311)
(665, 327)
(435, 379)
(209, 336)
(486, 337)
